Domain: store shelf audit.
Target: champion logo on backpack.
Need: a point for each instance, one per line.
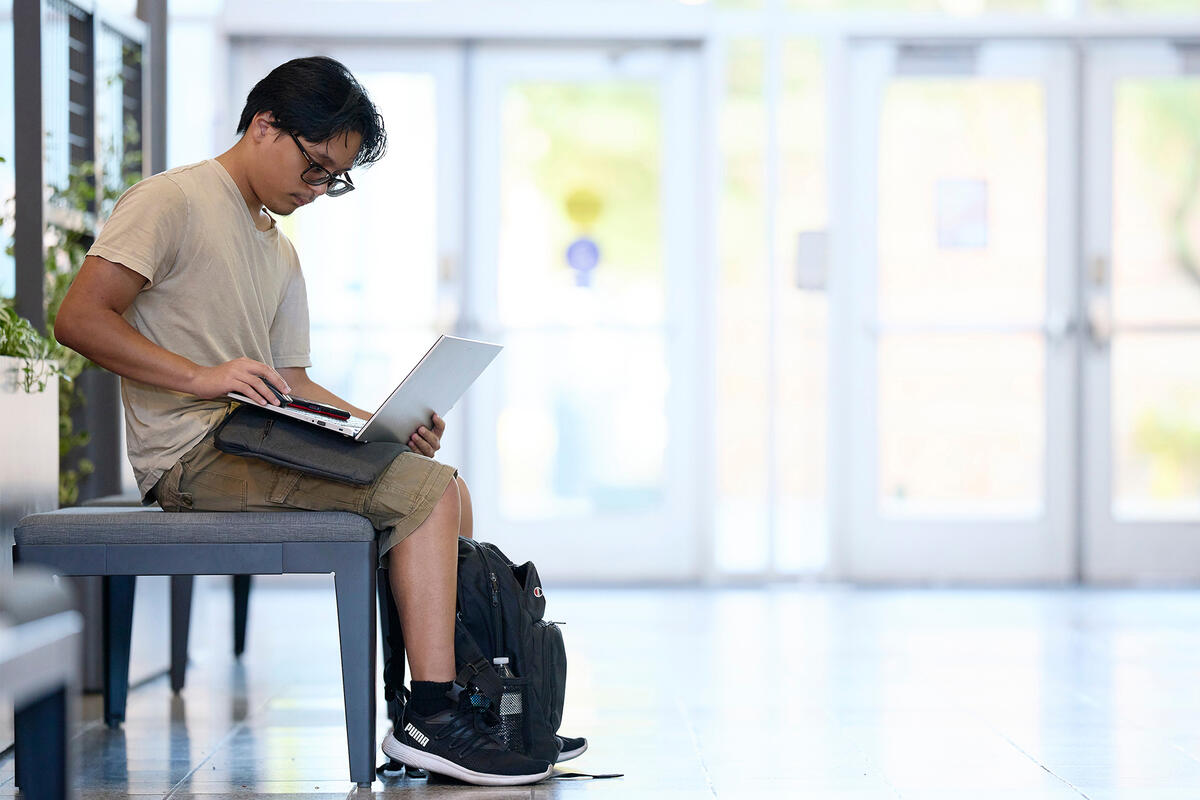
(416, 735)
(537, 591)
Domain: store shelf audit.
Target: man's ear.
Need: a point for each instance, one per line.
(262, 125)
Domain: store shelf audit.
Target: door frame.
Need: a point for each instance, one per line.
(969, 550)
(1115, 550)
(678, 553)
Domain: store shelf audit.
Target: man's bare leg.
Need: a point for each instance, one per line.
(466, 519)
(423, 571)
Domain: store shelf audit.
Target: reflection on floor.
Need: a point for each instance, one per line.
(779, 693)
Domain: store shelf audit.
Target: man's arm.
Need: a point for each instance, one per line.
(424, 440)
(91, 322)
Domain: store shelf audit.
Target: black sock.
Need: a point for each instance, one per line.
(429, 697)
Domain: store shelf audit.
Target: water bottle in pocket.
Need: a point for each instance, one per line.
(512, 706)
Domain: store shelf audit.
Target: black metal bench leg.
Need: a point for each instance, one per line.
(354, 584)
(182, 587)
(118, 628)
(40, 728)
(241, 607)
(391, 636)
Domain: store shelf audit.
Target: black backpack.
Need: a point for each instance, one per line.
(501, 609)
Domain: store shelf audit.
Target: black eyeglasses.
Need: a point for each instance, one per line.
(316, 175)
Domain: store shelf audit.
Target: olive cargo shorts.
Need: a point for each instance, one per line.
(396, 502)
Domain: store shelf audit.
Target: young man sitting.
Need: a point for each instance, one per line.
(191, 291)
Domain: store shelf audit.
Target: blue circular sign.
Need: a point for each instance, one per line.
(582, 256)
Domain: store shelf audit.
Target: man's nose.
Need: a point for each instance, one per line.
(321, 188)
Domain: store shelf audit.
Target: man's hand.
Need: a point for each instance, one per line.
(242, 375)
(426, 441)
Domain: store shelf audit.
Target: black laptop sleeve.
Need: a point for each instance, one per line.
(255, 433)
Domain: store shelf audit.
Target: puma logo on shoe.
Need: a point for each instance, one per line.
(419, 737)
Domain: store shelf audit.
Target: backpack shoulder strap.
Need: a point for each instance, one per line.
(480, 679)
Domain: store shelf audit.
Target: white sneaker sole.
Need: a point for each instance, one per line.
(431, 763)
(567, 755)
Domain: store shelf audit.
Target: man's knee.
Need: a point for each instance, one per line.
(450, 496)
(466, 518)
(442, 519)
(449, 507)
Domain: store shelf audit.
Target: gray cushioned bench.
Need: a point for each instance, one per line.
(121, 544)
(181, 597)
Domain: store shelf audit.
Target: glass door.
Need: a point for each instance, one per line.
(586, 266)
(382, 263)
(962, 360)
(1142, 294)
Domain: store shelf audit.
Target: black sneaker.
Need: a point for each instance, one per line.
(569, 748)
(396, 701)
(459, 743)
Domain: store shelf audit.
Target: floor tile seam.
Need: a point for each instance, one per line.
(85, 729)
(695, 739)
(989, 725)
(216, 748)
(880, 771)
(872, 766)
(1043, 767)
(1187, 753)
(242, 725)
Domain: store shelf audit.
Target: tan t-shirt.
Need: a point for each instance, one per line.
(218, 289)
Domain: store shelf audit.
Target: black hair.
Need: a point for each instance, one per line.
(317, 98)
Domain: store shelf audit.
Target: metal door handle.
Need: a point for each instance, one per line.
(1099, 320)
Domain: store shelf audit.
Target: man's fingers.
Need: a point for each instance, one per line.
(429, 436)
(280, 382)
(279, 387)
(272, 377)
(439, 425)
(425, 440)
(261, 385)
(419, 445)
(257, 369)
(248, 389)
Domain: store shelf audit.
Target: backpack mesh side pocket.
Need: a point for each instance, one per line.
(514, 700)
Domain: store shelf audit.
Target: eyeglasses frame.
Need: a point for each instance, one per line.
(337, 185)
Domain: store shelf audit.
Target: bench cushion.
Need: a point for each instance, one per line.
(100, 525)
(129, 500)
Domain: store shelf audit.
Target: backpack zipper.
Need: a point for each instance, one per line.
(497, 617)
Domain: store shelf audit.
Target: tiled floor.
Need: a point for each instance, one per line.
(780, 693)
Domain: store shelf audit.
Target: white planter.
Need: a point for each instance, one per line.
(28, 468)
(28, 453)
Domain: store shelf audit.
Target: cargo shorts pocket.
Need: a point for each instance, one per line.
(211, 491)
(294, 489)
(166, 491)
(284, 484)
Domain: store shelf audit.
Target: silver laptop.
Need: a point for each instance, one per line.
(434, 385)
